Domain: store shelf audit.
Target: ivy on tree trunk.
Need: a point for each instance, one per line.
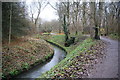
(65, 29)
(97, 33)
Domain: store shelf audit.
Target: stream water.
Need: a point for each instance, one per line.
(35, 72)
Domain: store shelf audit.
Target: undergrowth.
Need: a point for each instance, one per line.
(69, 59)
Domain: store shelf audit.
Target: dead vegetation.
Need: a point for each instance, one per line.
(24, 54)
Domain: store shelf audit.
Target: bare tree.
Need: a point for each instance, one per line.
(84, 14)
(37, 6)
(32, 12)
(10, 25)
(64, 17)
(75, 15)
(94, 14)
(95, 19)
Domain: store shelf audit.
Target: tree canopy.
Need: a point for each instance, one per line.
(19, 20)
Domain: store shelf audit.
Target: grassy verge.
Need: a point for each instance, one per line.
(73, 51)
(24, 56)
(59, 40)
(115, 36)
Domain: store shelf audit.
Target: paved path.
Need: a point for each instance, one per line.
(109, 66)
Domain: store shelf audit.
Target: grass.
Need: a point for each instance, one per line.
(59, 40)
(14, 72)
(25, 65)
(39, 36)
(73, 51)
(115, 36)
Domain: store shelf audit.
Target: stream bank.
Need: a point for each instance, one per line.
(59, 40)
(35, 72)
(77, 62)
(23, 56)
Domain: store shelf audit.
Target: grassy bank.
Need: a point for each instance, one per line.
(74, 50)
(115, 36)
(23, 56)
(59, 40)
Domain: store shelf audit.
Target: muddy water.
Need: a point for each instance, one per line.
(35, 72)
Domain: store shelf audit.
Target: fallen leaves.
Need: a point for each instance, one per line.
(24, 55)
(79, 66)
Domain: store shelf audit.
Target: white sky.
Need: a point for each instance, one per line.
(48, 13)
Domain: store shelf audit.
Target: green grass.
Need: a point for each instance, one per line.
(72, 53)
(59, 40)
(115, 36)
(14, 72)
(25, 65)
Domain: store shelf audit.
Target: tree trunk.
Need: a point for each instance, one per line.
(96, 23)
(37, 18)
(10, 25)
(84, 17)
(59, 29)
(32, 17)
(97, 33)
(65, 29)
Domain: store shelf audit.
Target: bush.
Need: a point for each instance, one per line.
(70, 41)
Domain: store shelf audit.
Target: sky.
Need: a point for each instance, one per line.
(48, 13)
